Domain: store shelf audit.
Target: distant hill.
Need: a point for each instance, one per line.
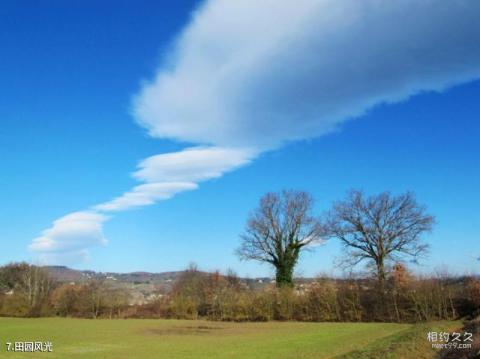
(143, 286)
(65, 274)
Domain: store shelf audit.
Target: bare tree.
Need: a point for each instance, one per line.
(379, 228)
(30, 283)
(278, 230)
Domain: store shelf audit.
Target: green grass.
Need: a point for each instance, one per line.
(411, 343)
(79, 338)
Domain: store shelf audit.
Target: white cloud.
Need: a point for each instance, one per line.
(260, 73)
(170, 173)
(72, 233)
(145, 195)
(248, 76)
(192, 164)
(163, 176)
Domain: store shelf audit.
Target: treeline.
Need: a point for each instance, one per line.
(406, 299)
(29, 291)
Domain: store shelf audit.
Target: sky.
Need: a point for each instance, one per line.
(138, 136)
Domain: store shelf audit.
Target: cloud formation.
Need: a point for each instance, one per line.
(192, 164)
(69, 236)
(248, 76)
(262, 73)
(145, 195)
(162, 177)
(170, 173)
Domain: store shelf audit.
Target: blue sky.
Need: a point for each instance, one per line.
(90, 89)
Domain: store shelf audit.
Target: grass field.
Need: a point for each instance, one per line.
(79, 338)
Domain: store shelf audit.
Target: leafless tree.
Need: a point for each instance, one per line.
(30, 283)
(278, 230)
(379, 228)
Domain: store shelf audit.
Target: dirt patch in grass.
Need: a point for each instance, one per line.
(186, 330)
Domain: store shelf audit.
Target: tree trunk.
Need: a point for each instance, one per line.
(284, 275)
(381, 274)
(381, 299)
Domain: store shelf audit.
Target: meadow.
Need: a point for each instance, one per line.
(136, 338)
